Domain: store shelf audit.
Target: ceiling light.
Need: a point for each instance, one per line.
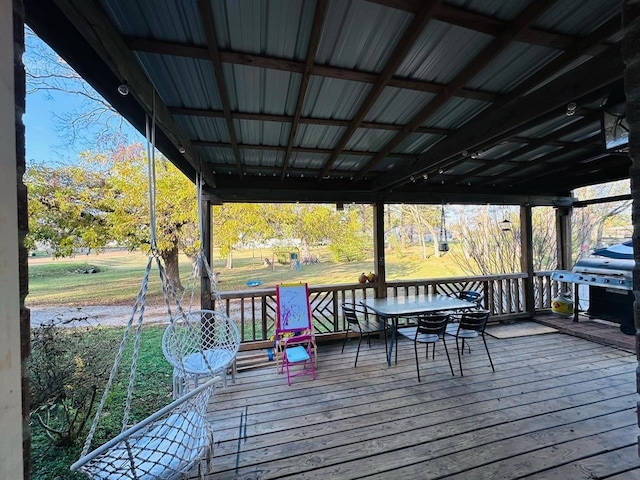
(505, 225)
(571, 109)
(123, 89)
(181, 149)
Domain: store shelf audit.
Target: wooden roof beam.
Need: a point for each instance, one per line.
(312, 50)
(268, 117)
(93, 24)
(545, 159)
(163, 47)
(578, 49)
(206, 15)
(396, 57)
(509, 119)
(478, 22)
(533, 145)
(280, 148)
(476, 65)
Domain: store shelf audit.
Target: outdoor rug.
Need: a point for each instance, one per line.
(518, 329)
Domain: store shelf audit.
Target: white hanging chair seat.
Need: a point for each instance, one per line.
(166, 445)
(202, 343)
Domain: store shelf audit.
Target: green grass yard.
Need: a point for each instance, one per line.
(117, 281)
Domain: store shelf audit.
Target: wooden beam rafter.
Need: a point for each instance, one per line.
(280, 148)
(478, 22)
(509, 119)
(91, 21)
(164, 47)
(547, 159)
(533, 145)
(396, 57)
(267, 117)
(575, 51)
(206, 15)
(312, 50)
(490, 52)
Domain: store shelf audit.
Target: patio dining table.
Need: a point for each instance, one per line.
(393, 308)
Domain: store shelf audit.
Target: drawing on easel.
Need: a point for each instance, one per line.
(293, 307)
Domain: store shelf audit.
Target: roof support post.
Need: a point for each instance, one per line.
(378, 249)
(631, 58)
(206, 301)
(15, 441)
(563, 237)
(526, 259)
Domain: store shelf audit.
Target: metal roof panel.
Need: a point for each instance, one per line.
(578, 18)
(455, 113)
(160, 19)
(254, 157)
(216, 155)
(182, 82)
(512, 66)
(261, 90)
(318, 136)
(351, 163)
(417, 143)
(306, 160)
(204, 128)
(334, 98)
(369, 140)
(397, 105)
(278, 28)
(431, 56)
(360, 35)
(501, 9)
(254, 132)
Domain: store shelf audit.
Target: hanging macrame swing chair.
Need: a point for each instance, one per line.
(172, 441)
(200, 343)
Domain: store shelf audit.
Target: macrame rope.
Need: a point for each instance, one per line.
(140, 299)
(151, 177)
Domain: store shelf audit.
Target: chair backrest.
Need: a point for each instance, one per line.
(471, 296)
(474, 320)
(293, 311)
(432, 325)
(198, 331)
(351, 312)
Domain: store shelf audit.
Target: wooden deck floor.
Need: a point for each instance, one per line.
(557, 407)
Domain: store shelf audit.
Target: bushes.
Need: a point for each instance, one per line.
(68, 368)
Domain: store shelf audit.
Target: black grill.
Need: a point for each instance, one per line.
(609, 276)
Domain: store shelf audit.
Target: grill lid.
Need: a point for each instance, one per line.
(610, 267)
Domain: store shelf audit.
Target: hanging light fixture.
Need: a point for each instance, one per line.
(443, 245)
(505, 225)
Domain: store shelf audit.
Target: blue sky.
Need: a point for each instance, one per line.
(46, 141)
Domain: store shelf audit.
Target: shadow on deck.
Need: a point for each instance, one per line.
(557, 407)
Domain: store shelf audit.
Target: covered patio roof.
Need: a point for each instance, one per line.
(467, 101)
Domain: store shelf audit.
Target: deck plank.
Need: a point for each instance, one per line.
(554, 404)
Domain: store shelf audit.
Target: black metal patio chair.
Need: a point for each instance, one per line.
(470, 325)
(359, 321)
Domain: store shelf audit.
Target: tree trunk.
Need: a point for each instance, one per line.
(230, 259)
(172, 267)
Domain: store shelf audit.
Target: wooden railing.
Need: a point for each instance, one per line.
(503, 295)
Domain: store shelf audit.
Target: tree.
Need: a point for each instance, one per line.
(314, 223)
(65, 209)
(348, 242)
(425, 219)
(589, 223)
(486, 248)
(235, 223)
(105, 199)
